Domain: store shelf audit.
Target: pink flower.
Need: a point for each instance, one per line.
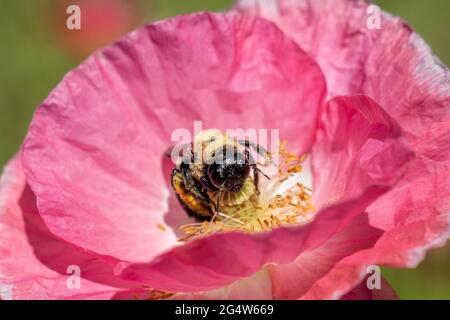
(91, 190)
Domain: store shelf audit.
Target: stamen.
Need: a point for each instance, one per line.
(231, 218)
(268, 210)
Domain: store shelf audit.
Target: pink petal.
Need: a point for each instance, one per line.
(256, 287)
(417, 210)
(223, 258)
(294, 280)
(33, 263)
(347, 281)
(341, 279)
(402, 246)
(392, 64)
(413, 215)
(357, 144)
(93, 153)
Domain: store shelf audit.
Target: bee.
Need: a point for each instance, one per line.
(215, 166)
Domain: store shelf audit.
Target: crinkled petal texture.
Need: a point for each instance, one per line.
(34, 263)
(392, 64)
(355, 136)
(205, 264)
(414, 216)
(397, 69)
(93, 154)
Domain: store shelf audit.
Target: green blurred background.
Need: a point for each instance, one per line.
(37, 50)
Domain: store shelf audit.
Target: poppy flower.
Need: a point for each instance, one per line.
(90, 186)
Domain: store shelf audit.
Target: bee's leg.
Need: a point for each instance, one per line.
(250, 160)
(200, 195)
(206, 184)
(190, 185)
(256, 180)
(197, 206)
(188, 180)
(217, 208)
(247, 143)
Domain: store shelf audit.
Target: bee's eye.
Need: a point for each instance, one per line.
(215, 176)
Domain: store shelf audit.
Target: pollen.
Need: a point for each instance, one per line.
(282, 201)
(161, 227)
(152, 294)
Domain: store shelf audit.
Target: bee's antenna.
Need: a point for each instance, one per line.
(255, 167)
(217, 209)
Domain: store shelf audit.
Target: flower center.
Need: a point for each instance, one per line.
(283, 200)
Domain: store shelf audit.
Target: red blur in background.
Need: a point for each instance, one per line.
(102, 22)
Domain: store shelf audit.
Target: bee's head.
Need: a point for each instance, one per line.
(229, 174)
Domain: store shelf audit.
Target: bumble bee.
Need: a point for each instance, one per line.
(215, 170)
